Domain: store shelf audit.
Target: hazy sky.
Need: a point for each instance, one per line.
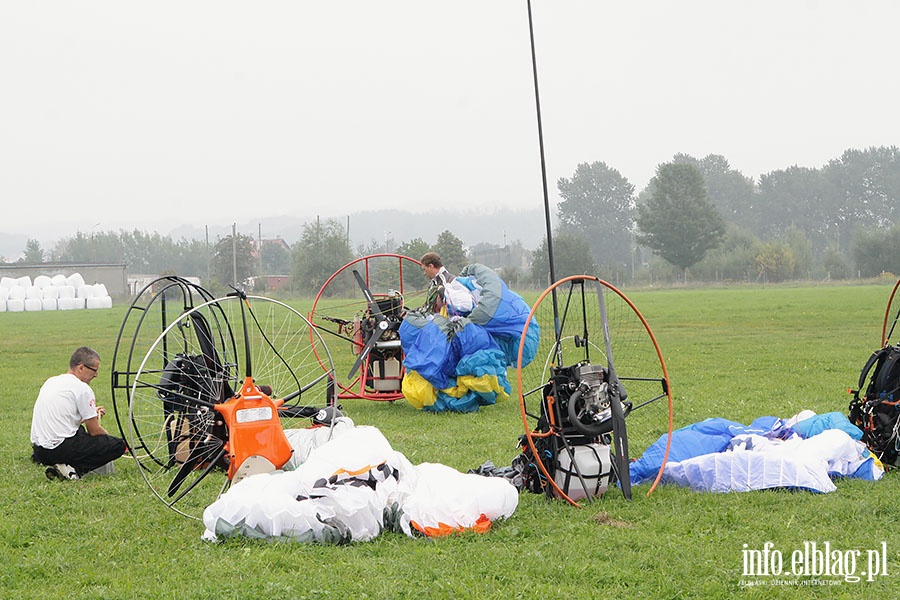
(118, 114)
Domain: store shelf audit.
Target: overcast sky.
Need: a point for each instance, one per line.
(149, 115)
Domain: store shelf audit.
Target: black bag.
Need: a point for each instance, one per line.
(876, 410)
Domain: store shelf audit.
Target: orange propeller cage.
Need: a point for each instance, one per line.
(254, 428)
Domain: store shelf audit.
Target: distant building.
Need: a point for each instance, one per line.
(498, 257)
(258, 245)
(136, 283)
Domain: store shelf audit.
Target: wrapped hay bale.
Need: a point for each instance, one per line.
(33, 292)
(7, 282)
(58, 280)
(23, 281)
(17, 293)
(2, 305)
(32, 304)
(42, 281)
(69, 303)
(66, 291)
(4, 295)
(15, 305)
(84, 291)
(48, 303)
(75, 280)
(100, 290)
(51, 292)
(99, 302)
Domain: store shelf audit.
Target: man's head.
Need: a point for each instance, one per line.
(84, 364)
(431, 264)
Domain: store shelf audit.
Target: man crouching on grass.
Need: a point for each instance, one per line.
(64, 404)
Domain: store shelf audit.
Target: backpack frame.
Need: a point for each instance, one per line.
(876, 410)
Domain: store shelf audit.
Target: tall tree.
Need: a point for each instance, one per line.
(450, 248)
(678, 221)
(598, 203)
(803, 198)
(275, 258)
(571, 256)
(322, 250)
(414, 248)
(733, 194)
(194, 258)
(34, 254)
(230, 254)
(878, 251)
(870, 184)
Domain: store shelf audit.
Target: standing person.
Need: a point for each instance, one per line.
(445, 290)
(434, 269)
(439, 277)
(65, 427)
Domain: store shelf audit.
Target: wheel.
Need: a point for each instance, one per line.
(361, 306)
(154, 308)
(598, 377)
(202, 359)
(891, 316)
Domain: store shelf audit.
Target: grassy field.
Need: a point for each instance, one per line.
(736, 353)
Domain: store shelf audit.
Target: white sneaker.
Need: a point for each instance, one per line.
(61, 471)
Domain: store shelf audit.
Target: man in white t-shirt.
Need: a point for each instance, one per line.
(66, 433)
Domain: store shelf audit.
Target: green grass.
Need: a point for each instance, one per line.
(736, 353)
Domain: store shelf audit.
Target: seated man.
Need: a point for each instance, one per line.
(64, 404)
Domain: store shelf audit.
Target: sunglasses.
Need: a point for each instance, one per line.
(91, 368)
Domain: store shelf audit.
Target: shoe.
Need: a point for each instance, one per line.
(61, 471)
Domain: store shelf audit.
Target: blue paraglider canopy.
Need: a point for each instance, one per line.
(457, 360)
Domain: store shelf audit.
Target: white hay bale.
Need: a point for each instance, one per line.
(17, 293)
(70, 303)
(99, 302)
(15, 305)
(24, 281)
(42, 281)
(58, 280)
(66, 291)
(32, 304)
(100, 290)
(84, 291)
(51, 292)
(75, 280)
(8, 282)
(33, 292)
(3, 306)
(48, 303)
(4, 294)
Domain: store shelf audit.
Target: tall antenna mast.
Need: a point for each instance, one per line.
(537, 103)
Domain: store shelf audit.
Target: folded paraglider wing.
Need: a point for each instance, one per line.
(464, 359)
(353, 487)
(503, 313)
(718, 455)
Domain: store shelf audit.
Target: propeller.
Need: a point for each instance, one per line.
(209, 452)
(381, 324)
(616, 395)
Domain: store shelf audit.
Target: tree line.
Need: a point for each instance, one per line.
(238, 259)
(696, 218)
(835, 222)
